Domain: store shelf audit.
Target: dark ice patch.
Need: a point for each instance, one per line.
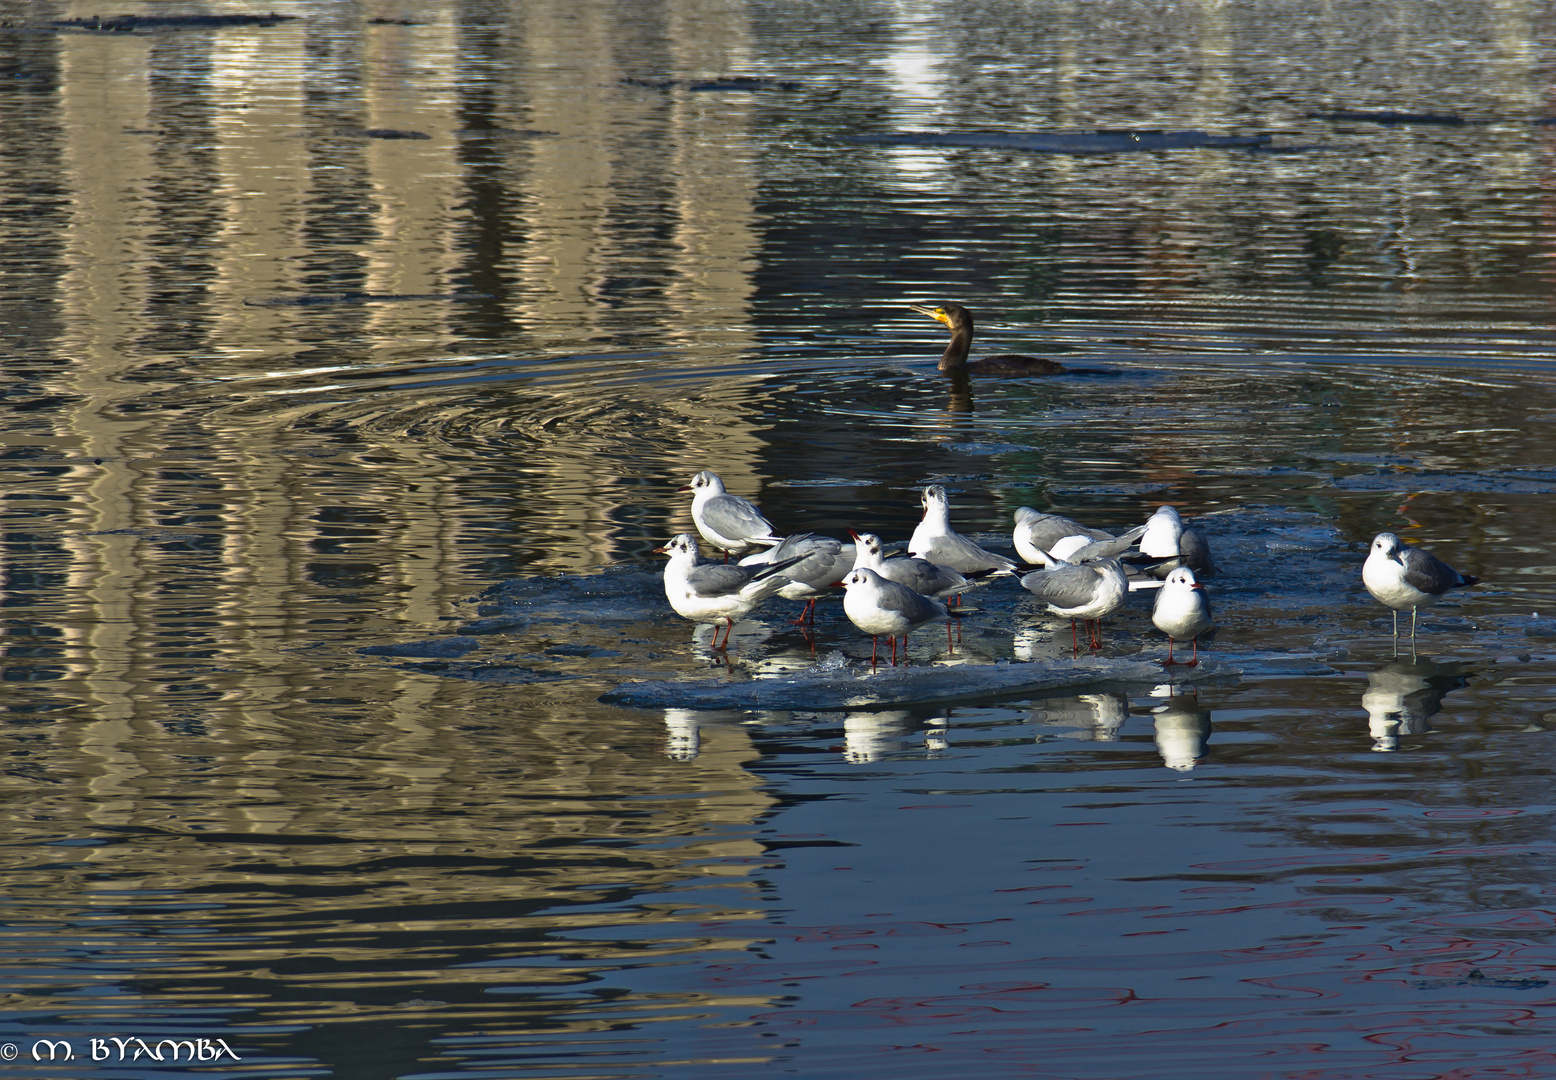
(730, 83)
(1511, 482)
(446, 648)
(1068, 142)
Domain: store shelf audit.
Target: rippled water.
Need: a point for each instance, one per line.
(344, 334)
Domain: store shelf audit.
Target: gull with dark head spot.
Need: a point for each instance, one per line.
(935, 540)
(878, 606)
(1401, 577)
(1182, 610)
(920, 575)
(1086, 591)
(726, 521)
(708, 592)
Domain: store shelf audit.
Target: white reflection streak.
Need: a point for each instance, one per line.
(1182, 728)
(683, 734)
(919, 85)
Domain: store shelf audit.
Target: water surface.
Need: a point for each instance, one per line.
(342, 334)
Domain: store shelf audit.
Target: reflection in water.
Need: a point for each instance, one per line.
(1089, 717)
(1402, 696)
(870, 736)
(1182, 729)
(683, 733)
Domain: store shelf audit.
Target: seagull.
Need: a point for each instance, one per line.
(821, 564)
(708, 592)
(920, 575)
(935, 540)
(728, 522)
(1086, 591)
(1081, 549)
(1182, 610)
(1173, 544)
(1401, 577)
(1036, 534)
(878, 606)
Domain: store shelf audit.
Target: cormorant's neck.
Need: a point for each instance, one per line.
(955, 358)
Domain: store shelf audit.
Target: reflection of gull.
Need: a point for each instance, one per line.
(935, 540)
(870, 736)
(1167, 540)
(1090, 592)
(1401, 577)
(708, 592)
(728, 522)
(1182, 729)
(878, 606)
(1182, 610)
(1401, 697)
(683, 734)
(1092, 717)
(822, 563)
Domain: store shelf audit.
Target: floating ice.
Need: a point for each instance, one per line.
(828, 689)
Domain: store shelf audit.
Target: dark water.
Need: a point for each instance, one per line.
(279, 387)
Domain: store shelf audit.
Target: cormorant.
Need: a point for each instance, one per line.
(959, 319)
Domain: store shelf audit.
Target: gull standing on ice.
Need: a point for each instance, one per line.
(726, 521)
(1167, 538)
(708, 592)
(1086, 591)
(920, 575)
(1401, 577)
(935, 540)
(1182, 610)
(822, 562)
(878, 606)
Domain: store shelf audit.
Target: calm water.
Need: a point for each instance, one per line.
(339, 334)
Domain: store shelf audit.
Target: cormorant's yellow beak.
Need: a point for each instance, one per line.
(938, 314)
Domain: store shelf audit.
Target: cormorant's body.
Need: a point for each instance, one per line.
(959, 319)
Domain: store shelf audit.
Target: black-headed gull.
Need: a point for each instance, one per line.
(920, 575)
(1039, 537)
(1182, 610)
(1401, 577)
(1172, 544)
(726, 521)
(822, 563)
(1087, 591)
(878, 606)
(708, 592)
(935, 540)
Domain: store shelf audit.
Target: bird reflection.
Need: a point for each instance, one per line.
(1088, 717)
(870, 736)
(1182, 730)
(683, 734)
(683, 730)
(1402, 696)
(749, 633)
(960, 396)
